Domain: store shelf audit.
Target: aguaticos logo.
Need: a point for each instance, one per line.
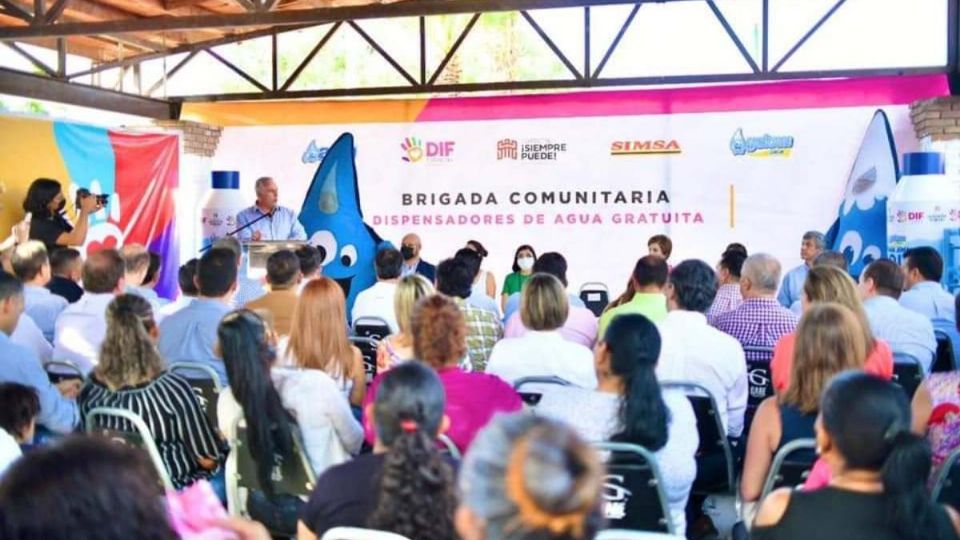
(651, 147)
(765, 145)
(415, 150)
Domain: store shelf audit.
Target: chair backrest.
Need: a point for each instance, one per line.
(354, 533)
(595, 296)
(946, 355)
(946, 488)
(714, 445)
(621, 534)
(58, 370)
(448, 446)
(205, 383)
(791, 465)
(125, 427)
(368, 348)
(759, 381)
(907, 372)
(293, 476)
(371, 327)
(633, 496)
(536, 386)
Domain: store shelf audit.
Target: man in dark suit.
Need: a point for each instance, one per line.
(412, 263)
(65, 264)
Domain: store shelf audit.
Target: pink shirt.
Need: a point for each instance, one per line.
(581, 327)
(472, 401)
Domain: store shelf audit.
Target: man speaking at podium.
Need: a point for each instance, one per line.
(273, 222)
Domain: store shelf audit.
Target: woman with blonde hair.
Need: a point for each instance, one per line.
(397, 348)
(130, 376)
(829, 340)
(318, 338)
(831, 284)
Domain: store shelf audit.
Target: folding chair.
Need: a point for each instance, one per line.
(715, 453)
(531, 397)
(125, 427)
(759, 381)
(791, 465)
(61, 370)
(205, 383)
(621, 534)
(907, 372)
(946, 488)
(633, 496)
(354, 533)
(368, 348)
(371, 327)
(946, 355)
(447, 446)
(595, 296)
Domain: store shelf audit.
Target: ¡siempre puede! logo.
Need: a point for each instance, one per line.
(653, 147)
(415, 150)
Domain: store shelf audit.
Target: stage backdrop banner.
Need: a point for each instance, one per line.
(594, 175)
(138, 170)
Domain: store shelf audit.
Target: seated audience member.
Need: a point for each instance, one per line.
(28, 334)
(485, 283)
(483, 327)
(81, 326)
(548, 263)
(829, 341)
(728, 295)
(19, 407)
(410, 247)
(440, 341)
(66, 264)
(504, 491)
(271, 399)
(318, 339)
(477, 298)
(825, 258)
(189, 335)
(905, 330)
(58, 410)
(629, 406)
(924, 294)
(644, 294)
(377, 301)
(152, 280)
(831, 284)
(542, 351)
(310, 261)
(660, 245)
(405, 486)
(186, 280)
(581, 324)
(136, 263)
(810, 247)
(695, 351)
(31, 265)
(879, 469)
(523, 260)
(398, 347)
(760, 321)
(248, 289)
(737, 247)
(283, 276)
(131, 376)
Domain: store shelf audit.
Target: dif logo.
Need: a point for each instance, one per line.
(416, 150)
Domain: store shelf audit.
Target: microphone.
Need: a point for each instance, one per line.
(244, 227)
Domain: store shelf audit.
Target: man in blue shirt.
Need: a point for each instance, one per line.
(282, 223)
(58, 410)
(792, 286)
(907, 332)
(189, 335)
(32, 266)
(923, 268)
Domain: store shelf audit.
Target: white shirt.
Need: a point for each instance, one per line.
(929, 299)
(541, 354)
(28, 334)
(377, 301)
(81, 329)
(706, 356)
(9, 451)
(907, 332)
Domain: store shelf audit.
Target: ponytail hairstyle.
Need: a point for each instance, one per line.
(649, 270)
(633, 343)
(416, 494)
(247, 356)
(128, 355)
(532, 478)
(478, 247)
(869, 422)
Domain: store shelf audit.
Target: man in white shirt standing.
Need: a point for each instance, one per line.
(377, 301)
(694, 351)
(31, 264)
(923, 267)
(82, 326)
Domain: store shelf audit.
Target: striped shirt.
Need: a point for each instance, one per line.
(173, 414)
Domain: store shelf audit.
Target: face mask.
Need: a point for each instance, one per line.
(407, 252)
(525, 263)
(62, 205)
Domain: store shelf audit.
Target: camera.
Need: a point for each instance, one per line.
(83, 193)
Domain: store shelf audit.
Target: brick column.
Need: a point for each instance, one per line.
(936, 122)
(198, 139)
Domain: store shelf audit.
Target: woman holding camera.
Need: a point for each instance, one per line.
(45, 202)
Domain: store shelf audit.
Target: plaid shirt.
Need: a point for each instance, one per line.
(728, 299)
(758, 322)
(484, 330)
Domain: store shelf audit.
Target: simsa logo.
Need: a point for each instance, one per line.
(651, 147)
